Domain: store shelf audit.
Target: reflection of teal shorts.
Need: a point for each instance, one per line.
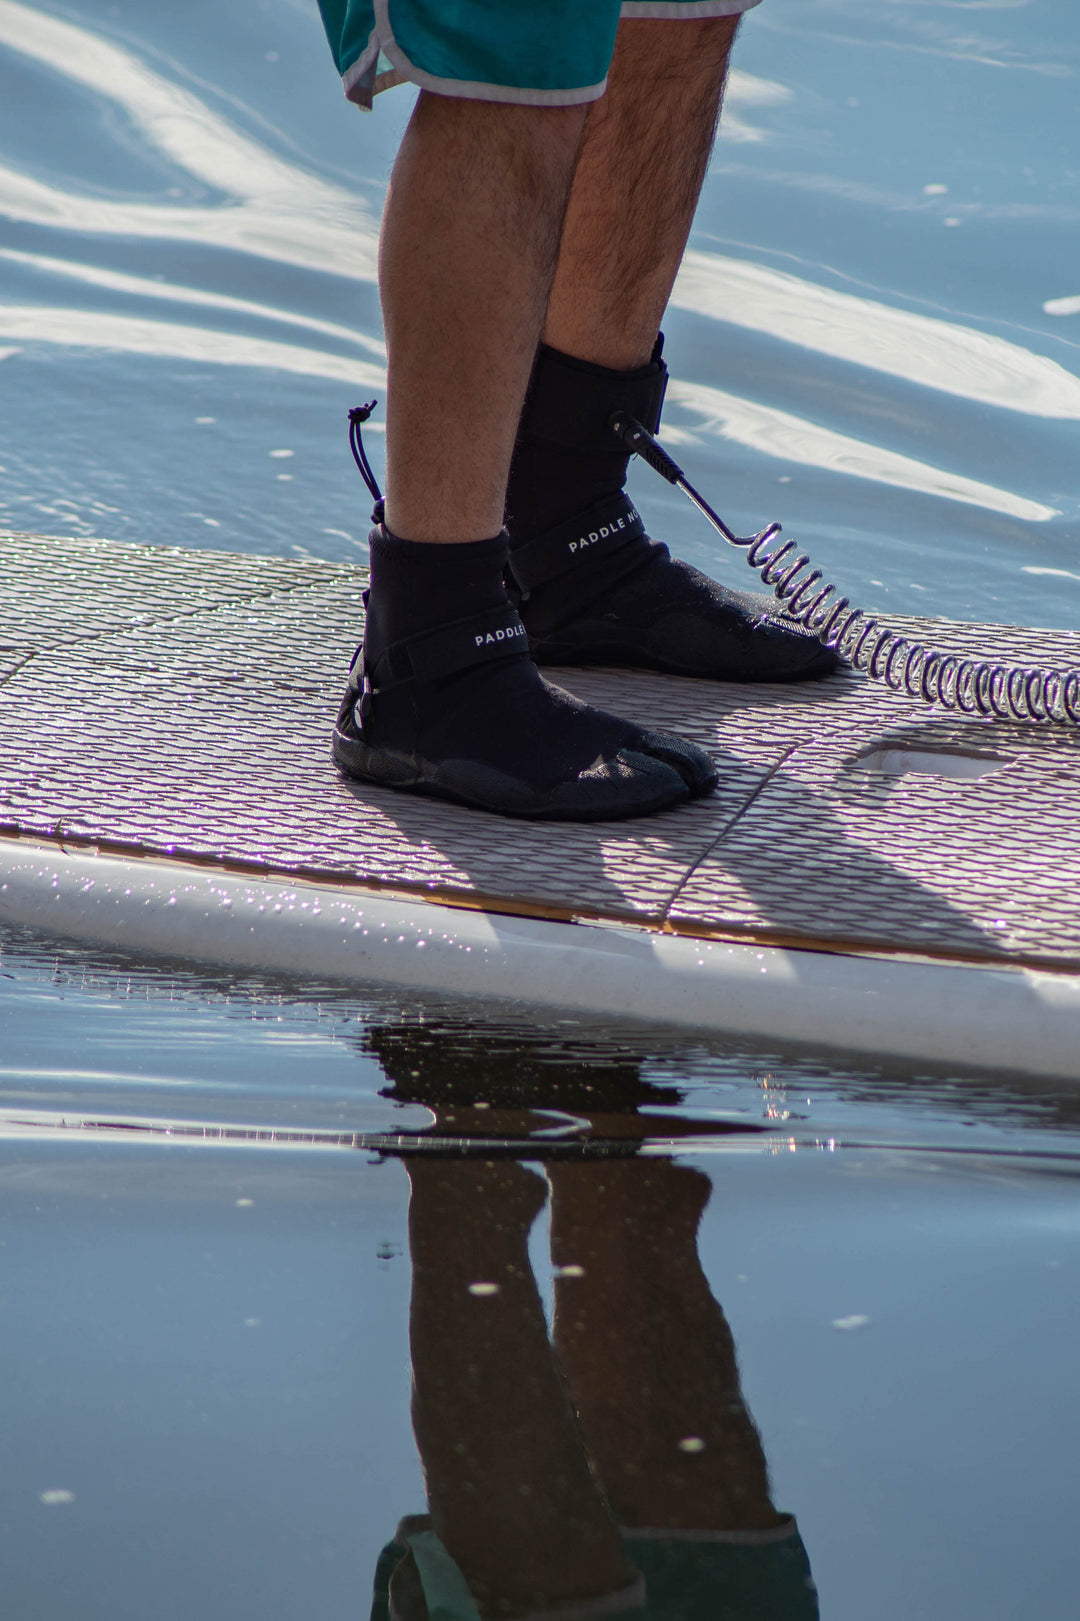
(685, 1576)
(549, 53)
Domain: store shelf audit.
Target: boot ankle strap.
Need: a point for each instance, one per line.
(597, 532)
(495, 633)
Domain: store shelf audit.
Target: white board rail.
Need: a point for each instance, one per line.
(953, 1013)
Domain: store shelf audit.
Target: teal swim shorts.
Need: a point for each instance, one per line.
(682, 1576)
(546, 53)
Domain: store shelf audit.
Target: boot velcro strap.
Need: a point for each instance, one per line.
(597, 532)
(496, 633)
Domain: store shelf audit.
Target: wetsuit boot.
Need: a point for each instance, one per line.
(444, 700)
(589, 583)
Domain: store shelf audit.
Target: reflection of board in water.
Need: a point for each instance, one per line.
(870, 873)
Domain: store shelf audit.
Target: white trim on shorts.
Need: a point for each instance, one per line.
(362, 82)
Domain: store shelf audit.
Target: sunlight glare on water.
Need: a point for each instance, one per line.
(872, 336)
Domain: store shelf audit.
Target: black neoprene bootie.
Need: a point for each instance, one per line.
(589, 583)
(444, 700)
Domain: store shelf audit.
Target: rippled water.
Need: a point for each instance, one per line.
(876, 336)
(206, 1264)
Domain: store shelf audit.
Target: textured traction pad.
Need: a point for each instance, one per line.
(180, 703)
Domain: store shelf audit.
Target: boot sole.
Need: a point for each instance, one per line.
(383, 769)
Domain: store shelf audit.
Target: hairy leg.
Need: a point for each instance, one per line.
(643, 159)
(469, 244)
(594, 589)
(647, 1353)
(509, 1486)
(444, 699)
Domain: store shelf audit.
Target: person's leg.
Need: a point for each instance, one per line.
(594, 588)
(469, 241)
(509, 1487)
(636, 187)
(647, 1353)
(444, 699)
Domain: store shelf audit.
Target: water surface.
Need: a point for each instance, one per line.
(875, 338)
(212, 1268)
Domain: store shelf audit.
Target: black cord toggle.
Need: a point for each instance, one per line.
(358, 415)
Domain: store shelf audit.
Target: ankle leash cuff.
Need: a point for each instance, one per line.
(569, 402)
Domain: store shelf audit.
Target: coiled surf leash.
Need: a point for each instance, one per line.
(971, 686)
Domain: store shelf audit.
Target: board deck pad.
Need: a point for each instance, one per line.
(179, 704)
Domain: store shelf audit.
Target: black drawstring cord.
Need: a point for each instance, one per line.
(358, 415)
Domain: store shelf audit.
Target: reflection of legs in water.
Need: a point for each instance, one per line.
(524, 1495)
(648, 1354)
(509, 1487)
